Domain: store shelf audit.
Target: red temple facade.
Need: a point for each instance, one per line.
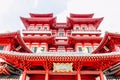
(48, 50)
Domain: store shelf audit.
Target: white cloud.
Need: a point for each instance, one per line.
(10, 10)
(4, 6)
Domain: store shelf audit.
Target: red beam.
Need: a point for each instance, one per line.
(62, 73)
(35, 72)
(90, 72)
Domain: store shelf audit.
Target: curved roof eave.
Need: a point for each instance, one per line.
(48, 20)
(17, 36)
(108, 36)
(41, 15)
(81, 15)
(54, 56)
(22, 43)
(96, 21)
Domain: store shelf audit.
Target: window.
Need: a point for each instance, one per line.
(92, 28)
(77, 29)
(79, 49)
(38, 28)
(61, 47)
(31, 28)
(34, 49)
(1, 47)
(84, 28)
(42, 49)
(89, 49)
(45, 28)
(61, 34)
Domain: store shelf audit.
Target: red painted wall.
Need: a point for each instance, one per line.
(37, 77)
(62, 77)
(88, 77)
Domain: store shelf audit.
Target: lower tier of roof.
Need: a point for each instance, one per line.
(60, 56)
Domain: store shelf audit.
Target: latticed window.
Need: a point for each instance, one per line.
(92, 28)
(31, 28)
(42, 49)
(79, 49)
(1, 47)
(89, 49)
(84, 28)
(38, 28)
(77, 28)
(61, 34)
(45, 28)
(34, 49)
(61, 47)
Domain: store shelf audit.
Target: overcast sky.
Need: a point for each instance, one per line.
(11, 10)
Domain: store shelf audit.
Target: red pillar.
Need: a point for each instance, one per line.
(24, 75)
(78, 75)
(46, 75)
(101, 76)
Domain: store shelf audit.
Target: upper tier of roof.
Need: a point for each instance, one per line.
(41, 15)
(38, 20)
(73, 19)
(72, 15)
(95, 21)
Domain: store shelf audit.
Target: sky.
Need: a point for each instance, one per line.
(11, 10)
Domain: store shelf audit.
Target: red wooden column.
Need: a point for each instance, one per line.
(101, 76)
(78, 75)
(46, 75)
(24, 75)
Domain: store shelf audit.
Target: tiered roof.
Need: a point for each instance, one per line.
(83, 19)
(19, 57)
(72, 15)
(16, 40)
(108, 43)
(29, 60)
(39, 19)
(47, 39)
(75, 39)
(41, 15)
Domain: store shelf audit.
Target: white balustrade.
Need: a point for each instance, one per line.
(86, 31)
(59, 53)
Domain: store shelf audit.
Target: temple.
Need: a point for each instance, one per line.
(49, 50)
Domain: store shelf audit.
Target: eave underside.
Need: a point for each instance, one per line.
(109, 41)
(96, 61)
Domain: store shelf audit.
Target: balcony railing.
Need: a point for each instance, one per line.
(86, 31)
(59, 53)
(37, 32)
(61, 37)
